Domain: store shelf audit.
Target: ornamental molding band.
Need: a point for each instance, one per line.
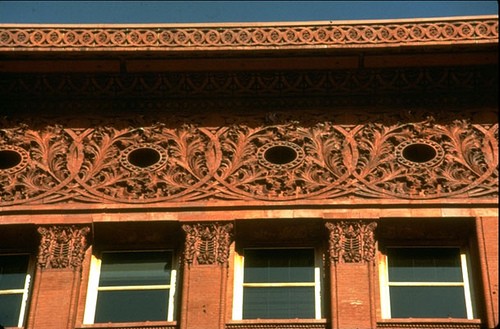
(264, 158)
(275, 325)
(464, 30)
(62, 247)
(426, 325)
(207, 243)
(351, 241)
(397, 82)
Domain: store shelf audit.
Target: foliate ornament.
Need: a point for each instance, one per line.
(255, 158)
(351, 241)
(62, 247)
(426, 160)
(39, 173)
(148, 163)
(285, 161)
(207, 243)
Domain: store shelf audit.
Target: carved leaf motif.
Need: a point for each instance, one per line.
(363, 160)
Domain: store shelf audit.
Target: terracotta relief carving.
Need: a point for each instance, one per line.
(207, 243)
(351, 241)
(320, 83)
(62, 246)
(338, 35)
(260, 158)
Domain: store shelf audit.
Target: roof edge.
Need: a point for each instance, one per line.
(252, 24)
(469, 30)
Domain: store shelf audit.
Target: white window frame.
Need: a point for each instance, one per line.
(25, 291)
(93, 286)
(239, 265)
(385, 284)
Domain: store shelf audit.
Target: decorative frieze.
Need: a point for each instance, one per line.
(241, 36)
(207, 243)
(330, 83)
(351, 241)
(62, 247)
(268, 157)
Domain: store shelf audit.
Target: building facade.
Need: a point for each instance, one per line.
(316, 175)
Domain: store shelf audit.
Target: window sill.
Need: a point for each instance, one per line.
(437, 323)
(277, 324)
(132, 325)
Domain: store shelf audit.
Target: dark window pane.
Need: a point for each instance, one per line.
(13, 271)
(424, 265)
(279, 265)
(135, 268)
(10, 306)
(427, 302)
(278, 303)
(131, 306)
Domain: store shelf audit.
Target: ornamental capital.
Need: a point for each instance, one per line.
(62, 246)
(207, 243)
(351, 241)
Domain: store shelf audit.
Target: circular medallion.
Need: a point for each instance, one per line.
(419, 153)
(12, 159)
(149, 157)
(280, 155)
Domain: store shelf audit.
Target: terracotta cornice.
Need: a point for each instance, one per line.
(239, 37)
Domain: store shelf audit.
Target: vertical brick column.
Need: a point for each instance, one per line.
(351, 258)
(58, 276)
(205, 275)
(487, 237)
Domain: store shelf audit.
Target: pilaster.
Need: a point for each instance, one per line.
(351, 254)
(206, 257)
(58, 276)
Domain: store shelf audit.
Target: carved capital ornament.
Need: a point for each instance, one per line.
(207, 243)
(351, 241)
(62, 247)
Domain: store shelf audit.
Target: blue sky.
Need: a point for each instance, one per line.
(231, 11)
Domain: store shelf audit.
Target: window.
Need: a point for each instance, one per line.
(131, 287)
(14, 289)
(425, 283)
(277, 284)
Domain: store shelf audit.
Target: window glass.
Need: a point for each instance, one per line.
(132, 306)
(427, 282)
(425, 265)
(133, 287)
(428, 302)
(14, 284)
(13, 269)
(10, 306)
(135, 268)
(279, 265)
(280, 284)
(278, 303)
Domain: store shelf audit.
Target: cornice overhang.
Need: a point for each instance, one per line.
(249, 36)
